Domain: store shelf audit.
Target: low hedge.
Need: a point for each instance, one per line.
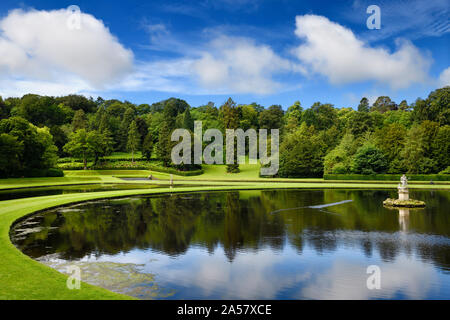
(72, 160)
(39, 173)
(71, 166)
(54, 173)
(128, 165)
(175, 171)
(120, 165)
(387, 177)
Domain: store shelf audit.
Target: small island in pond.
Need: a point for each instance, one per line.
(403, 197)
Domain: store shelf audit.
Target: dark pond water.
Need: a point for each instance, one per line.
(243, 245)
(49, 191)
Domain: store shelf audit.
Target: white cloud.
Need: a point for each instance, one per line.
(414, 279)
(335, 52)
(156, 28)
(417, 18)
(224, 65)
(444, 78)
(39, 46)
(162, 75)
(19, 87)
(239, 65)
(157, 31)
(40, 54)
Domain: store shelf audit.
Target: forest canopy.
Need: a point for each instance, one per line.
(384, 137)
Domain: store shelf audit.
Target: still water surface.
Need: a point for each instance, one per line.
(244, 245)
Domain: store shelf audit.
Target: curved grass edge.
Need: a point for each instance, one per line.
(22, 278)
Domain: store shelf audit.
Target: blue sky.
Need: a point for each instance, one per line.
(270, 52)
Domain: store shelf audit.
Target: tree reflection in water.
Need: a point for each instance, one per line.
(241, 222)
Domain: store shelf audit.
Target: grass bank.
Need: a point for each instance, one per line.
(23, 278)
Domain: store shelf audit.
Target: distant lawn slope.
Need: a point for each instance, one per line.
(213, 175)
(119, 164)
(37, 182)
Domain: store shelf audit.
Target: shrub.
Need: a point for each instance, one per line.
(446, 171)
(71, 166)
(301, 154)
(54, 172)
(39, 173)
(369, 160)
(176, 172)
(233, 168)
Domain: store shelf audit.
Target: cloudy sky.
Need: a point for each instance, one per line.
(268, 51)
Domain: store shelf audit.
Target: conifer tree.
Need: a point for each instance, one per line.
(134, 139)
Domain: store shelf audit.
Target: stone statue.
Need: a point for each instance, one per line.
(404, 181)
(403, 192)
(403, 200)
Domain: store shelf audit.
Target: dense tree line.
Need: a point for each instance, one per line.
(379, 138)
(25, 149)
(382, 138)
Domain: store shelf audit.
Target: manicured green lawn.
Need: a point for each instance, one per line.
(79, 177)
(23, 278)
(36, 182)
(214, 175)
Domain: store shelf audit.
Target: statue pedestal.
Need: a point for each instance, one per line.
(403, 200)
(403, 193)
